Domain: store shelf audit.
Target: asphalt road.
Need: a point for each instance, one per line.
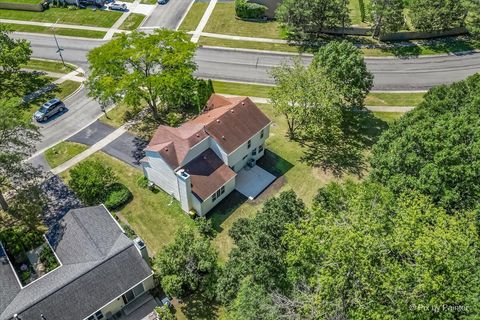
(391, 74)
(167, 15)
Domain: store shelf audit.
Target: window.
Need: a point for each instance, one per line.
(214, 197)
(254, 152)
(245, 157)
(260, 149)
(218, 193)
(261, 134)
(97, 316)
(249, 144)
(222, 189)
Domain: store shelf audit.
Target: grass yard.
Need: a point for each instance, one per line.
(132, 22)
(58, 31)
(242, 89)
(388, 117)
(223, 21)
(63, 152)
(84, 17)
(49, 65)
(394, 99)
(115, 116)
(152, 214)
(194, 16)
(23, 1)
(216, 42)
(67, 87)
(148, 1)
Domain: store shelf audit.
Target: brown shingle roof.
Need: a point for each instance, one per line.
(230, 121)
(208, 173)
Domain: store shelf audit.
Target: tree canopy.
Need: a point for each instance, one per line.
(141, 69)
(435, 148)
(387, 15)
(305, 20)
(188, 266)
(367, 253)
(430, 15)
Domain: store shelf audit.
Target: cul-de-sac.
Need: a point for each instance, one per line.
(239, 159)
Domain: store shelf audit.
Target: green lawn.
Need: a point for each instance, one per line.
(58, 31)
(49, 65)
(223, 21)
(148, 1)
(152, 214)
(394, 99)
(132, 22)
(63, 152)
(23, 1)
(242, 89)
(84, 17)
(67, 87)
(194, 16)
(388, 117)
(215, 42)
(115, 116)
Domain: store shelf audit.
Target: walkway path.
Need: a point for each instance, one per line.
(94, 148)
(240, 38)
(198, 31)
(371, 108)
(58, 25)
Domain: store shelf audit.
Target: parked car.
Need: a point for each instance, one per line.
(162, 1)
(85, 3)
(49, 109)
(118, 7)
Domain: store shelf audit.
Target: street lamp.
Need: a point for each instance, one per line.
(59, 50)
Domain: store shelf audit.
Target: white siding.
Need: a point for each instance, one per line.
(196, 150)
(237, 158)
(160, 173)
(218, 151)
(208, 204)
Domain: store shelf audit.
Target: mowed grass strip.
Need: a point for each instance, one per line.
(242, 44)
(154, 215)
(58, 31)
(84, 17)
(48, 65)
(67, 87)
(22, 1)
(242, 89)
(193, 17)
(63, 152)
(223, 21)
(132, 22)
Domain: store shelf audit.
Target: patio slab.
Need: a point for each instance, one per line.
(253, 181)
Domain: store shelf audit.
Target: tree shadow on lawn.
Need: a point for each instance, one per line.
(198, 307)
(225, 208)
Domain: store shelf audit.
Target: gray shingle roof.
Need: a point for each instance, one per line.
(99, 263)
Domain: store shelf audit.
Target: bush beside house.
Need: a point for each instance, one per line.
(248, 10)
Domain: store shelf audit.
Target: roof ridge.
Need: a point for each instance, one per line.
(75, 278)
(74, 214)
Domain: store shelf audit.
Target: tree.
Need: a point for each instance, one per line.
(432, 15)
(138, 69)
(297, 96)
(18, 137)
(434, 149)
(343, 64)
(92, 180)
(305, 20)
(14, 54)
(368, 254)
(472, 20)
(27, 207)
(188, 266)
(258, 252)
(387, 15)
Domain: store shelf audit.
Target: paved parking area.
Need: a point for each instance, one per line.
(253, 181)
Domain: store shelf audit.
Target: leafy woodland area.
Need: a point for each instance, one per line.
(399, 242)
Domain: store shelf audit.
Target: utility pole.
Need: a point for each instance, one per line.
(59, 50)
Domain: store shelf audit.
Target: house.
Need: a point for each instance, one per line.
(101, 273)
(203, 160)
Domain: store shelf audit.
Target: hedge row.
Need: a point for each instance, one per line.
(22, 6)
(247, 10)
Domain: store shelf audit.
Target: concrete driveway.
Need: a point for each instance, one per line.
(253, 181)
(168, 15)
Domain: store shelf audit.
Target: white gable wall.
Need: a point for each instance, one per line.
(196, 150)
(160, 173)
(239, 158)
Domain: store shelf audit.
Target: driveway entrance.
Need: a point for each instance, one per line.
(253, 181)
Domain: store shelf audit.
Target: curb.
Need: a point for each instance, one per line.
(59, 37)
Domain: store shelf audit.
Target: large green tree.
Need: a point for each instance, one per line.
(387, 15)
(368, 254)
(188, 266)
(18, 137)
(343, 64)
(258, 252)
(305, 20)
(472, 20)
(140, 69)
(435, 148)
(431, 15)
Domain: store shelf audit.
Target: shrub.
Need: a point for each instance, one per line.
(47, 258)
(129, 232)
(91, 180)
(247, 10)
(17, 241)
(118, 196)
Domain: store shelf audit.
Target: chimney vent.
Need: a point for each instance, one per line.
(218, 121)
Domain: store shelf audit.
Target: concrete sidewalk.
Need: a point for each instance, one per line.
(401, 109)
(240, 38)
(206, 16)
(58, 25)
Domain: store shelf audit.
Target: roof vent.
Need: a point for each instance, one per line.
(198, 135)
(218, 121)
(232, 111)
(166, 149)
(243, 103)
(223, 137)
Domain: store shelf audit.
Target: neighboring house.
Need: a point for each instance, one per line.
(102, 273)
(271, 5)
(198, 162)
